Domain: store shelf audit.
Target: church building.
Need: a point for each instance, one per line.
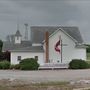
(49, 44)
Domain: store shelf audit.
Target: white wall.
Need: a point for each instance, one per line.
(80, 53)
(69, 52)
(23, 55)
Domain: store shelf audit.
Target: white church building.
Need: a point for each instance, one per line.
(50, 44)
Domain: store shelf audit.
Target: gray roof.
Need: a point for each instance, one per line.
(37, 36)
(38, 32)
(29, 49)
(11, 46)
(18, 33)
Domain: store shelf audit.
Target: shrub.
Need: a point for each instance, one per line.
(78, 64)
(4, 65)
(29, 64)
(88, 64)
(12, 66)
(16, 66)
(5, 56)
(0, 66)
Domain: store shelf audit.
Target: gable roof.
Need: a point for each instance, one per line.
(25, 46)
(38, 33)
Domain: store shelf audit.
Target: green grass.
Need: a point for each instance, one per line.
(39, 86)
(51, 83)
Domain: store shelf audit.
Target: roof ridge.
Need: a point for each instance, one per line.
(57, 26)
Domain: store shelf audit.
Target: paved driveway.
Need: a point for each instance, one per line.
(45, 75)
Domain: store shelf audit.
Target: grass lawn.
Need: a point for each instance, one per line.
(38, 86)
(43, 86)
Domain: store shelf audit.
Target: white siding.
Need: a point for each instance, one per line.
(24, 55)
(80, 53)
(69, 52)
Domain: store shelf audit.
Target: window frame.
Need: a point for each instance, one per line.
(19, 58)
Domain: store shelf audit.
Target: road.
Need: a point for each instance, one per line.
(45, 75)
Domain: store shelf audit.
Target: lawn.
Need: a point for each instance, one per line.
(42, 86)
(37, 86)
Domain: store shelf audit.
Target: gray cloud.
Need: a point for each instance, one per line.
(44, 12)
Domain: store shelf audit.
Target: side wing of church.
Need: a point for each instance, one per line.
(49, 44)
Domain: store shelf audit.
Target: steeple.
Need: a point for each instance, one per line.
(18, 33)
(18, 37)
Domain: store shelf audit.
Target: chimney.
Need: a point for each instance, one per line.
(47, 46)
(26, 31)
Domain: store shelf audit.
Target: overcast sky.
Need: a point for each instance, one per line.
(44, 12)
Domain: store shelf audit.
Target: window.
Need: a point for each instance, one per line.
(36, 57)
(19, 58)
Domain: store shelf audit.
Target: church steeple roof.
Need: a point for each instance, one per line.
(18, 33)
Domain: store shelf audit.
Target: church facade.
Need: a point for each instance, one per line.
(49, 44)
